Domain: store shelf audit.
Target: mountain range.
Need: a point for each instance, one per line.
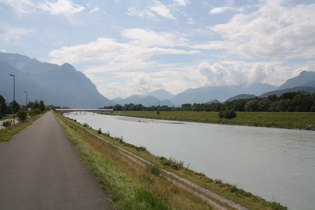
(57, 85)
(66, 87)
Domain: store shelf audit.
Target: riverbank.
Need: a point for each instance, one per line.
(160, 164)
(289, 120)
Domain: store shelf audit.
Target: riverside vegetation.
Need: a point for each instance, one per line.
(132, 186)
(296, 120)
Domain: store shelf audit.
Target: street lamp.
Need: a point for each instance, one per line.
(12, 75)
(25, 100)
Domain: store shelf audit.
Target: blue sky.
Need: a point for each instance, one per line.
(138, 46)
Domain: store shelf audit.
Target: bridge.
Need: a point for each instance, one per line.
(84, 110)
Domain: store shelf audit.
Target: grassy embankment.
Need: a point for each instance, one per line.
(132, 186)
(7, 133)
(294, 120)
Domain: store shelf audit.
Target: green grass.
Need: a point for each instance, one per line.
(299, 120)
(7, 133)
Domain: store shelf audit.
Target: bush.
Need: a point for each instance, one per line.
(7, 123)
(154, 169)
(227, 114)
(99, 131)
(34, 112)
(21, 115)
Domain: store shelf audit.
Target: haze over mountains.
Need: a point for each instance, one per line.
(66, 87)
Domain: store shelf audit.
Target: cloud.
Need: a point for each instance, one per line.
(144, 37)
(237, 73)
(9, 33)
(228, 7)
(96, 9)
(219, 10)
(181, 2)
(162, 10)
(21, 6)
(156, 9)
(115, 54)
(140, 83)
(65, 7)
(273, 30)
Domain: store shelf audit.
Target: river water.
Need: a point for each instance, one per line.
(276, 164)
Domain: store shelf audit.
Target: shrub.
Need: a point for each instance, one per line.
(34, 112)
(227, 114)
(141, 148)
(21, 115)
(99, 131)
(7, 123)
(154, 169)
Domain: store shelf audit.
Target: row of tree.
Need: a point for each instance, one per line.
(301, 101)
(35, 107)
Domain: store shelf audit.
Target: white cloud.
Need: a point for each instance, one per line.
(162, 10)
(144, 37)
(65, 7)
(218, 10)
(96, 9)
(237, 73)
(140, 13)
(273, 30)
(181, 2)
(21, 6)
(115, 54)
(155, 9)
(9, 33)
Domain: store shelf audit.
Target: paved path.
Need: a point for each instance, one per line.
(40, 169)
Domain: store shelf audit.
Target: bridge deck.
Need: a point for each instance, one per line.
(84, 110)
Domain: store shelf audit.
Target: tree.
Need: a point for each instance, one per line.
(251, 106)
(13, 107)
(118, 107)
(264, 105)
(21, 115)
(3, 106)
(42, 106)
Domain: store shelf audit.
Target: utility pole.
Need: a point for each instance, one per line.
(26, 100)
(13, 108)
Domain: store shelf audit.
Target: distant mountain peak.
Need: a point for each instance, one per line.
(305, 78)
(161, 94)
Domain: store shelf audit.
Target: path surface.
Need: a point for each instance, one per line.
(40, 169)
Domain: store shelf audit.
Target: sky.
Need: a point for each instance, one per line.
(130, 47)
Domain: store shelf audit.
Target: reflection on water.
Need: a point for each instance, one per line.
(276, 164)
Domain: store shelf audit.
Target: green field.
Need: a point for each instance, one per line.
(294, 120)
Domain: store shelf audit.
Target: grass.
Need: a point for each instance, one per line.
(128, 180)
(7, 133)
(296, 120)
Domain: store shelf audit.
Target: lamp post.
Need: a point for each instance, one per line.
(25, 99)
(12, 75)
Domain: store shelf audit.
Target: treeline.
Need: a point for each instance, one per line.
(301, 101)
(32, 108)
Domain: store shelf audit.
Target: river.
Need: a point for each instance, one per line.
(276, 164)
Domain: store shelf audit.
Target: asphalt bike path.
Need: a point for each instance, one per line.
(40, 169)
